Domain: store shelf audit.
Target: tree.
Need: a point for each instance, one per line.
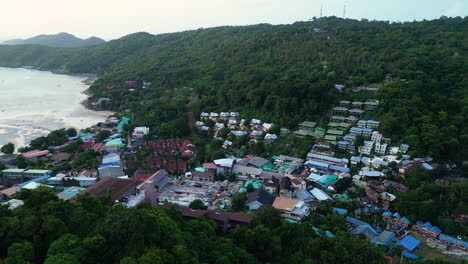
(238, 202)
(220, 177)
(8, 148)
(21, 162)
(71, 132)
(103, 135)
(198, 204)
(232, 177)
(250, 188)
(267, 216)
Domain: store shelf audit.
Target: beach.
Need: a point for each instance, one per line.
(37, 102)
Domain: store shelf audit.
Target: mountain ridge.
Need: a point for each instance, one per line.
(62, 39)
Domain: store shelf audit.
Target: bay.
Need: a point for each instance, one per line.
(33, 103)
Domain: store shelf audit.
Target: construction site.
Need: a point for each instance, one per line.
(213, 194)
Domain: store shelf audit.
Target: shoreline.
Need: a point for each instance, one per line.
(90, 79)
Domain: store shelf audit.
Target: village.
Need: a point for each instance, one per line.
(350, 161)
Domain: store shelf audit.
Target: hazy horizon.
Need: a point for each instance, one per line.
(114, 19)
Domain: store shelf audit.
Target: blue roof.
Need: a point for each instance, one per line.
(339, 168)
(419, 223)
(436, 230)
(355, 221)
(340, 211)
(397, 215)
(367, 230)
(405, 219)
(409, 242)
(387, 214)
(384, 238)
(428, 225)
(453, 240)
(43, 178)
(106, 165)
(410, 255)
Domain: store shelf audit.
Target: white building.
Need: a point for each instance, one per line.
(376, 136)
(380, 148)
(140, 132)
(366, 149)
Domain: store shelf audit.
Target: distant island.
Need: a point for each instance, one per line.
(63, 39)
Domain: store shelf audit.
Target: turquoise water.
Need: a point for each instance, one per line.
(35, 102)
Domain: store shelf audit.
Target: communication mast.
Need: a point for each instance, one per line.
(344, 11)
(321, 9)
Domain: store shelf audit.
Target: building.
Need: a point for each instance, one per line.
(110, 170)
(12, 173)
(245, 171)
(201, 175)
(339, 111)
(258, 198)
(140, 132)
(159, 180)
(291, 208)
(376, 136)
(385, 238)
(307, 126)
(69, 193)
(454, 242)
(121, 191)
(35, 155)
(366, 149)
(271, 185)
(380, 148)
(427, 229)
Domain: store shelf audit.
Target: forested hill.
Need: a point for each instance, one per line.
(285, 74)
(58, 40)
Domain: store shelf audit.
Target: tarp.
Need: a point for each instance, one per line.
(409, 242)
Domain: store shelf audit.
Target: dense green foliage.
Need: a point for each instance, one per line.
(58, 40)
(283, 74)
(8, 148)
(48, 230)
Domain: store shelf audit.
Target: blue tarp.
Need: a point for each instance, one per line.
(340, 211)
(409, 242)
(406, 254)
(43, 178)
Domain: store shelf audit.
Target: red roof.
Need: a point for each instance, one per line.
(35, 153)
(141, 177)
(87, 144)
(209, 166)
(99, 147)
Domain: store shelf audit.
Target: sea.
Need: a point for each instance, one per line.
(33, 103)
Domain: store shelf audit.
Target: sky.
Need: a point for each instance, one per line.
(111, 19)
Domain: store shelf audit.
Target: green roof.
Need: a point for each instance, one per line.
(123, 122)
(344, 195)
(200, 169)
(329, 234)
(333, 124)
(308, 124)
(36, 171)
(302, 133)
(103, 99)
(331, 138)
(115, 142)
(330, 179)
(344, 125)
(12, 170)
(335, 132)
